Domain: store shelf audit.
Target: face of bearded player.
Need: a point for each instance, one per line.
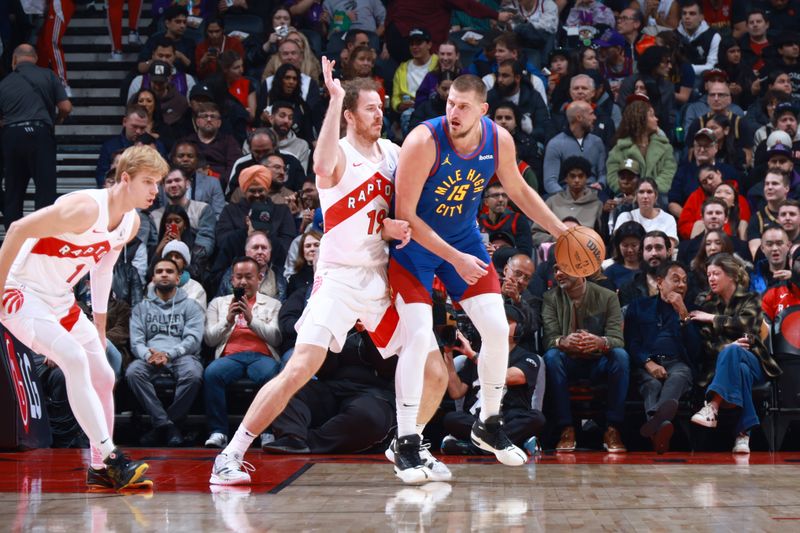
(367, 118)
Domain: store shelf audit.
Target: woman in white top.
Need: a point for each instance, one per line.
(647, 214)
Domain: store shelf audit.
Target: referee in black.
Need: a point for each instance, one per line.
(32, 101)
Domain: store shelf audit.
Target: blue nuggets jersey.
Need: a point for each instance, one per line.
(449, 204)
(452, 194)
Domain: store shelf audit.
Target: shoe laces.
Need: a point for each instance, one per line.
(240, 463)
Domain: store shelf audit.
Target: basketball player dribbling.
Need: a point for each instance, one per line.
(444, 166)
(356, 186)
(43, 256)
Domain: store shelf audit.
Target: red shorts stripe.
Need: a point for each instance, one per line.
(404, 283)
(72, 317)
(488, 284)
(386, 327)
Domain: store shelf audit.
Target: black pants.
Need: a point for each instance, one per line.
(333, 423)
(28, 152)
(519, 424)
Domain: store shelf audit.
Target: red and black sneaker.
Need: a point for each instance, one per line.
(123, 471)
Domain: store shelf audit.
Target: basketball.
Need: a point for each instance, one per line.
(580, 251)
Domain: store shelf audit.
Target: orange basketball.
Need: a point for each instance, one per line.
(580, 251)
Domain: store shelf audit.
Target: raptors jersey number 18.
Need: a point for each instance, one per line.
(354, 209)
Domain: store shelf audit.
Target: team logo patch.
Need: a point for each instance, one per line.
(13, 300)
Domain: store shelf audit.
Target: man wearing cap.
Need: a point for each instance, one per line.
(627, 183)
(179, 252)
(704, 152)
(166, 331)
(235, 222)
(499, 217)
(134, 124)
(201, 216)
(614, 64)
(164, 52)
(784, 118)
(702, 41)
(409, 75)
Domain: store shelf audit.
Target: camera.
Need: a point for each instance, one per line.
(238, 293)
(466, 327)
(448, 335)
(282, 31)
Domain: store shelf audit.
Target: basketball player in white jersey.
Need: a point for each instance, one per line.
(355, 184)
(43, 256)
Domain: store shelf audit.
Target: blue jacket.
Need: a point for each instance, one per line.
(644, 320)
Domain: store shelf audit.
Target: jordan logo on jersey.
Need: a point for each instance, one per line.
(58, 248)
(453, 190)
(376, 186)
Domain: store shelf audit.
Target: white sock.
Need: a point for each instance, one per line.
(106, 446)
(96, 458)
(240, 442)
(420, 429)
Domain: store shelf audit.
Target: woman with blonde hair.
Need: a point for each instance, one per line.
(639, 138)
(735, 357)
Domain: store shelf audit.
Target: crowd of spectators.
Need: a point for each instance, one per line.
(670, 127)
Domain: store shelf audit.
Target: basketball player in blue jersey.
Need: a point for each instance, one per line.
(445, 164)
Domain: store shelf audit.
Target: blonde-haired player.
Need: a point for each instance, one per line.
(43, 256)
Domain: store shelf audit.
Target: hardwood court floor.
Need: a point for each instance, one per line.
(44, 491)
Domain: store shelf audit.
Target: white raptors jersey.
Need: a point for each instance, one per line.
(53, 265)
(354, 209)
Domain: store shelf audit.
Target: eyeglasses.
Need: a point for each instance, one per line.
(497, 195)
(206, 116)
(518, 274)
(625, 17)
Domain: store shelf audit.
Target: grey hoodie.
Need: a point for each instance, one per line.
(174, 327)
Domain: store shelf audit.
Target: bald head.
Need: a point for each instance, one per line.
(576, 108)
(25, 53)
(521, 268)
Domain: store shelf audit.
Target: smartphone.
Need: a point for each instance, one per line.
(172, 227)
(213, 51)
(238, 293)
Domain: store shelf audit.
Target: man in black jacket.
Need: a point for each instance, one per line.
(509, 86)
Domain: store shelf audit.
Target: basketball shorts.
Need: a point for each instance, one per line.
(21, 307)
(412, 268)
(340, 297)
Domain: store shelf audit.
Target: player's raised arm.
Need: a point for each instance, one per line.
(523, 196)
(328, 156)
(74, 214)
(417, 157)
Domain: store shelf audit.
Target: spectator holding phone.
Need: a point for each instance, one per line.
(208, 51)
(174, 226)
(243, 329)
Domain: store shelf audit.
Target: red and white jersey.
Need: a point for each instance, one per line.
(354, 209)
(53, 265)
